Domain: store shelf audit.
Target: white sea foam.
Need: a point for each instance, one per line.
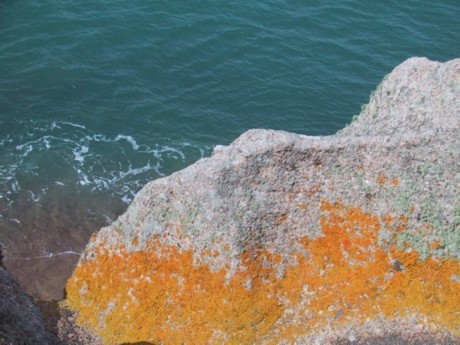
(50, 255)
(96, 162)
(15, 186)
(55, 125)
(79, 152)
(97, 137)
(123, 179)
(28, 148)
(34, 197)
(169, 149)
(72, 124)
(129, 139)
(84, 180)
(135, 171)
(126, 199)
(14, 220)
(6, 140)
(46, 141)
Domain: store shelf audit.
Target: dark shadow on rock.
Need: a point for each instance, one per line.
(21, 321)
(423, 338)
(51, 315)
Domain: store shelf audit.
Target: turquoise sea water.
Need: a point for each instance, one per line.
(99, 97)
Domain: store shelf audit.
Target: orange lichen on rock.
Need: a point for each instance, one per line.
(350, 273)
(395, 182)
(161, 294)
(381, 179)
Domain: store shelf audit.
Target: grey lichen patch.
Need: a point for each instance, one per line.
(118, 229)
(189, 229)
(385, 237)
(450, 239)
(415, 242)
(166, 213)
(192, 215)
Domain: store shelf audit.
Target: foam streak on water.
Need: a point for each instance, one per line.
(73, 157)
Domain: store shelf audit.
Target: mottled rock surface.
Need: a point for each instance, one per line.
(284, 238)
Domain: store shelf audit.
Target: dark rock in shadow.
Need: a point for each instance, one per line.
(20, 319)
(423, 338)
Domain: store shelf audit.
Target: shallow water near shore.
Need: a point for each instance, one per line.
(98, 98)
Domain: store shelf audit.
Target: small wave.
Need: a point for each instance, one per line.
(72, 124)
(50, 255)
(79, 152)
(169, 149)
(129, 139)
(15, 185)
(84, 180)
(126, 199)
(40, 144)
(34, 197)
(14, 220)
(135, 171)
(68, 155)
(27, 147)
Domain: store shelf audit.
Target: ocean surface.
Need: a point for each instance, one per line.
(99, 97)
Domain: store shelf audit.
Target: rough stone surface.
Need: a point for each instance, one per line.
(418, 96)
(20, 319)
(284, 238)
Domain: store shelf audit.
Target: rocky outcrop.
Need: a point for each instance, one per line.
(20, 319)
(24, 321)
(282, 238)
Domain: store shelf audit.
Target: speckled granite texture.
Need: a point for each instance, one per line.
(283, 238)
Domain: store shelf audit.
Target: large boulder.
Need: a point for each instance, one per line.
(283, 238)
